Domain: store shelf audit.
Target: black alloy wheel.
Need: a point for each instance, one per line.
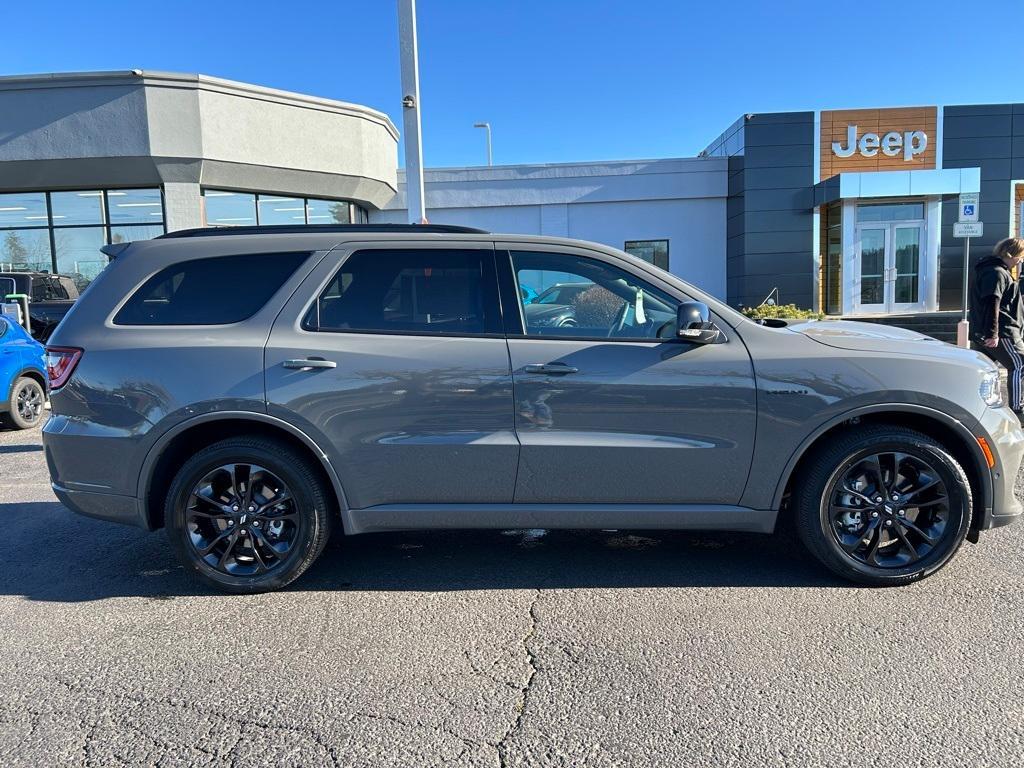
(242, 520)
(888, 510)
(883, 505)
(27, 400)
(249, 514)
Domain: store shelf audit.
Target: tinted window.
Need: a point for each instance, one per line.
(7, 287)
(227, 289)
(591, 299)
(48, 289)
(410, 291)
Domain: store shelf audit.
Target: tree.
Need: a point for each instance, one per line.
(14, 249)
(339, 212)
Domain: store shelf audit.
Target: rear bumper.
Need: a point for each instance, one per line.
(102, 506)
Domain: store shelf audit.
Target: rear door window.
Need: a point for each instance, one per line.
(418, 291)
(216, 291)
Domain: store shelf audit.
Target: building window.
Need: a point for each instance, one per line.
(222, 208)
(62, 231)
(832, 263)
(872, 212)
(652, 251)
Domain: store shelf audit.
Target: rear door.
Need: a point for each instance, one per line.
(393, 356)
(610, 406)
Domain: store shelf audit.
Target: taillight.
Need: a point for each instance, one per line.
(60, 364)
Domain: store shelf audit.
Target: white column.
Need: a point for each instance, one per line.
(182, 206)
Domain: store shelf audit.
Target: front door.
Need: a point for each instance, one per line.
(890, 267)
(610, 406)
(394, 360)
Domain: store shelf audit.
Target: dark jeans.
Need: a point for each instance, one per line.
(1010, 355)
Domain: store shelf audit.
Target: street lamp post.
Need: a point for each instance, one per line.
(487, 127)
(411, 111)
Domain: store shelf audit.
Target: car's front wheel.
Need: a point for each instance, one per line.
(248, 514)
(883, 505)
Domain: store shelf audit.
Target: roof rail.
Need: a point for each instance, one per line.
(318, 228)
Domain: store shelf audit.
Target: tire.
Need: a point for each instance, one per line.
(893, 548)
(27, 400)
(269, 548)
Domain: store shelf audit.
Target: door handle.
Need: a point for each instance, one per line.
(309, 363)
(550, 369)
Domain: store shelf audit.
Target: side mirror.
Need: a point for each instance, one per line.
(693, 323)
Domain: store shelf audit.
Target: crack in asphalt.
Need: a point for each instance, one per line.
(531, 660)
(230, 754)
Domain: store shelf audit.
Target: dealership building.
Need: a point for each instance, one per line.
(850, 212)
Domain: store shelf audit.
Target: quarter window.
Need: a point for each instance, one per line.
(218, 291)
(433, 291)
(573, 296)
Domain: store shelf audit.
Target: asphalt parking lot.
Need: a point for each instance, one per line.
(496, 649)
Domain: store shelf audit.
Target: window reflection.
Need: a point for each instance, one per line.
(223, 208)
(229, 209)
(63, 231)
(328, 211)
(25, 250)
(77, 252)
(23, 209)
(272, 209)
(76, 207)
(127, 206)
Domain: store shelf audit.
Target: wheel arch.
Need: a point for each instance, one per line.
(31, 373)
(950, 432)
(183, 440)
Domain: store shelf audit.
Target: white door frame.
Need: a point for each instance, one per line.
(927, 266)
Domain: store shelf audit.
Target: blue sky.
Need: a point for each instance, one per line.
(559, 80)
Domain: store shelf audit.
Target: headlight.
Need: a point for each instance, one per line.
(990, 390)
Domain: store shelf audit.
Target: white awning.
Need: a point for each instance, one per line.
(945, 181)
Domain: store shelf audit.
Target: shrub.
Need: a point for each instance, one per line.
(781, 311)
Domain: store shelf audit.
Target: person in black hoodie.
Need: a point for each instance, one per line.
(997, 313)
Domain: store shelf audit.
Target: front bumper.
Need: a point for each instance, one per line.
(1004, 435)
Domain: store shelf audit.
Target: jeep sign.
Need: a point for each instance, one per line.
(892, 144)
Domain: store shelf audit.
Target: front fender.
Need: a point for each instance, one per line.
(966, 431)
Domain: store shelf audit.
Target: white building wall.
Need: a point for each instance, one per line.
(681, 200)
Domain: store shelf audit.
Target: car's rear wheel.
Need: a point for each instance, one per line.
(26, 405)
(248, 514)
(883, 505)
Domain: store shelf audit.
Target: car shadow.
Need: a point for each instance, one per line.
(51, 554)
(20, 449)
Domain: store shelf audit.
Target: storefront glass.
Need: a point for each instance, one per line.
(62, 231)
(222, 208)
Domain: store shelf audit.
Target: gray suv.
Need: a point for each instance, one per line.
(252, 389)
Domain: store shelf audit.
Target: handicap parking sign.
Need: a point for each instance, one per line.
(969, 206)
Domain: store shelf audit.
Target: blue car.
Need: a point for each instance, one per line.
(22, 376)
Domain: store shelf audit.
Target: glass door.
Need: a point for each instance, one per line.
(903, 289)
(889, 244)
(871, 259)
